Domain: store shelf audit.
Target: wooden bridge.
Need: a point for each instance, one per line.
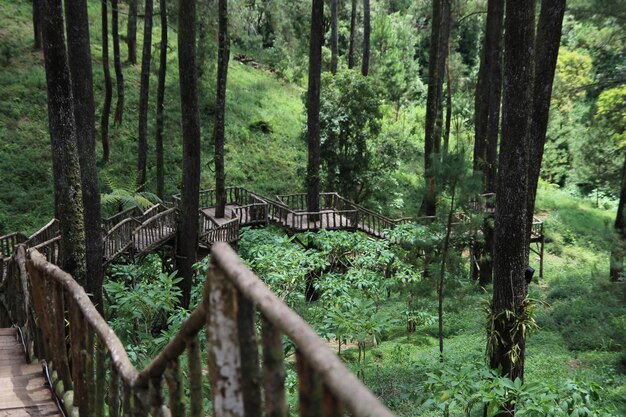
(55, 321)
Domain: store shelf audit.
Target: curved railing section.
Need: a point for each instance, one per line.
(45, 234)
(119, 239)
(130, 213)
(154, 231)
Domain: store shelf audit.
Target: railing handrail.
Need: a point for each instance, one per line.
(49, 226)
(118, 354)
(156, 217)
(348, 389)
(122, 224)
(18, 238)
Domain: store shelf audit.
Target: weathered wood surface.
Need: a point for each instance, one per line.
(23, 388)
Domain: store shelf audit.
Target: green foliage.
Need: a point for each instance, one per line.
(141, 303)
(350, 121)
(612, 112)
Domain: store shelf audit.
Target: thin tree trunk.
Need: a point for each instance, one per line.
(131, 32)
(117, 63)
(367, 30)
(507, 351)
(448, 125)
(220, 107)
(313, 107)
(108, 87)
(65, 165)
(36, 26)
(79, 54)
(352, 46)
(187, 240)
(144, 92)
(160, 99)
(487, 126)
(334, 36)
(429, 207)
(443, 42)
(442, 271)
(618, 249)
(547, 51)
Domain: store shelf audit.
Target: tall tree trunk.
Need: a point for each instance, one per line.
(352, 46)
(443, 42)
(487, 124)
(79, 54)
(131, 32)
(117, 63)
(334, 36)
(313, 107)
(509, 286)
(160, 99)
(448, 124)
(429, 207)
(144, 91)
(36, 25)
(618, 249)
(220, 107)
(367, 30)
(108, 87)
(68, 205)
(187, 239)
(547, 52)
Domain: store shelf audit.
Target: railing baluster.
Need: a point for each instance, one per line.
(273, 371)
(155, 399)
(224, 359)
(87, 364)
(100, 378)
(195, 377)
(127, 406)
(58, 321)
(249, 349)
(309, 388)
(331, 406)
(114, 393)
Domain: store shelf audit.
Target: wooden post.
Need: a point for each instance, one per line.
(273, 371)
(249, 350)
(114, 393)
(309, 388)
(220, 297)
(331, 406)
(195, 377)
(176, 391)
(100, 379)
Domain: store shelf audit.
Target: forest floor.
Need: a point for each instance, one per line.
(582, 319)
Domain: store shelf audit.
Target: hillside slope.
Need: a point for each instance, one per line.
(266, 162)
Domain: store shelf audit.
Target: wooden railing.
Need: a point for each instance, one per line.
(90, 360)
(8, 243)
(330, 220)
(120, 238)
(537, 228)
(45, 234)
(129, 213)
(296, 202)
(151, 212)
(155, 230)
(67, 318)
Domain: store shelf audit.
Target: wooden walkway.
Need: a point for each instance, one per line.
(133, 233)
(23, 389)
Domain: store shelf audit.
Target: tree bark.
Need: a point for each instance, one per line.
(487, 124)
(79, 54)
(334, 36)
(429, 206)
(448, 124)
(313, 107)
(619, 247)
(117, 63)
(144, 92)
(509, 287)
(65, 165)
(187, 239)
(547, 52)
(108, 87)
(352, 46)
(367, 30)
(160, 99)
(220, 107)
(36, 26)
(131, 32)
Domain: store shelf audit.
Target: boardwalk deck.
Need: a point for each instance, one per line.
(23, 388)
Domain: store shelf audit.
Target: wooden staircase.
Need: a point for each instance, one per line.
(24, 390)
